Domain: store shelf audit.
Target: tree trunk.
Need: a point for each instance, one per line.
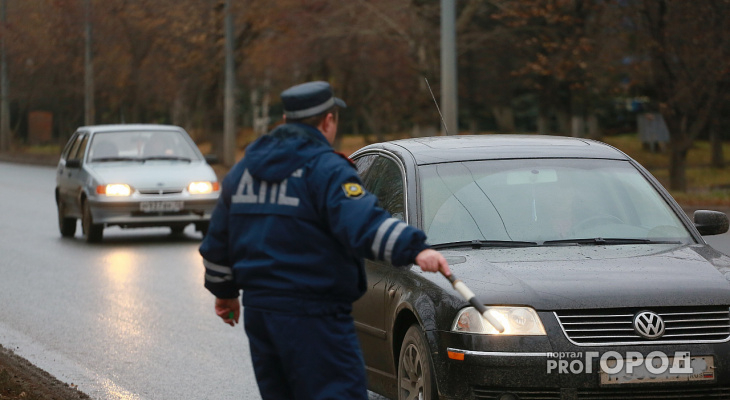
(677, 166)
(718, 158)
(6, 136)
(423, 130)
(563, 123)
(578, 126)
(473, 126)
(594, 128)
(505, 118)
(178, 111)
(373, 124)
(543, 124)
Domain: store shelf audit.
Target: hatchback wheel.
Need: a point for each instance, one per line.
(66, 225)
(415, 372)
(177, 230)
(92, 231)
(202, 227)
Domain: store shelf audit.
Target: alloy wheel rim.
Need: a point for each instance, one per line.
(411, 367)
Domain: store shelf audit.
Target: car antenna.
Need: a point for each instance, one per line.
(437, 106)
(458, 285)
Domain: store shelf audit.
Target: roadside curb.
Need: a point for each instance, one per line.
(50, 160)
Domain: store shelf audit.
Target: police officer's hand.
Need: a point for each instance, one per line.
(229, 310)
(432, 261)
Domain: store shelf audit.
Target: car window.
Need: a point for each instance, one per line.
(543, 199)
(74, 147)
(384, 179)
(136, 145)
(69, 145)
(77, 152)
(364, 164)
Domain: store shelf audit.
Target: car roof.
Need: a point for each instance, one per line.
(442, 149)
(128, 127)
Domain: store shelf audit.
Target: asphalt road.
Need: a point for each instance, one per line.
(125, 319)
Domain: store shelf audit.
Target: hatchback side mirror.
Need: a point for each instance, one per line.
(711, 222)
(75, 163)
(211, 159)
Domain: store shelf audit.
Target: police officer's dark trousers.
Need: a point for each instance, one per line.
(305, 357)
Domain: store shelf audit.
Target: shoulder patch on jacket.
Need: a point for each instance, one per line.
(353, 190)
(352, 163)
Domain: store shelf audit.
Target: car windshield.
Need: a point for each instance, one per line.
(140, 146)
(544, 200)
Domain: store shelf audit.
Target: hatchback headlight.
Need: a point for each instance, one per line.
(516, 321)
(202, 187)
(114, 189)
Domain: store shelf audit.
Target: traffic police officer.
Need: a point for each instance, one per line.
(291, 229)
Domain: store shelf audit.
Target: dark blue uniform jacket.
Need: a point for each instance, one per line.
(293, 225)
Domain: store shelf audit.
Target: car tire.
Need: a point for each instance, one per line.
(93, 232)
(177, 230)
(415, 369)
(66, 225)
(202, 227)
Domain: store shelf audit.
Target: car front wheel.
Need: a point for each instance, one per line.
(202, 227)
(93, 232)
(415, 372)
(66, 225)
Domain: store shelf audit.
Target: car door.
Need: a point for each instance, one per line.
(63, 172)
(75, 175)
(383, 177)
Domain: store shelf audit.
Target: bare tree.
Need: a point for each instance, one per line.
(689, 48)
(5, 133)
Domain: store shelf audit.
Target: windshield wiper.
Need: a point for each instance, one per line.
(478, 244)
(173, 158)
(109, 159)
(609, 241)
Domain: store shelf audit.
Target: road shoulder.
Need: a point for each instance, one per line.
(20, 379)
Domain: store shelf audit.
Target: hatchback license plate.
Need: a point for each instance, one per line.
(161, 206)
(703, 369)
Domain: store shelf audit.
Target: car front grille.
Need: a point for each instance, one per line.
(666, 393)
(615, 326)
(483, 393)
(159, 192)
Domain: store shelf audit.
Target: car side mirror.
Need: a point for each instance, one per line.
(75, 163)
(711, 222)
(211, 159)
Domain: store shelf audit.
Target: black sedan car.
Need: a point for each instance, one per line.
(604, 288)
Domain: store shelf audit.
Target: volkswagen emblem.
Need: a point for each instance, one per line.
(649, 325)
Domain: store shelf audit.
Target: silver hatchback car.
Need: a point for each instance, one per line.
(130, 176)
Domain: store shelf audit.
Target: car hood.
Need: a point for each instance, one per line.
(574, 277)
(153, 174)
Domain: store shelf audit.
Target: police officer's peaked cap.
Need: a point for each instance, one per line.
(309, 99)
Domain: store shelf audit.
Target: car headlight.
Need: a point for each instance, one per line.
(516, 321)
(114, 189)
(202, 187)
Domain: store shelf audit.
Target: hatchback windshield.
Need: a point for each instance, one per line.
(140, 145)
(542, 200)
